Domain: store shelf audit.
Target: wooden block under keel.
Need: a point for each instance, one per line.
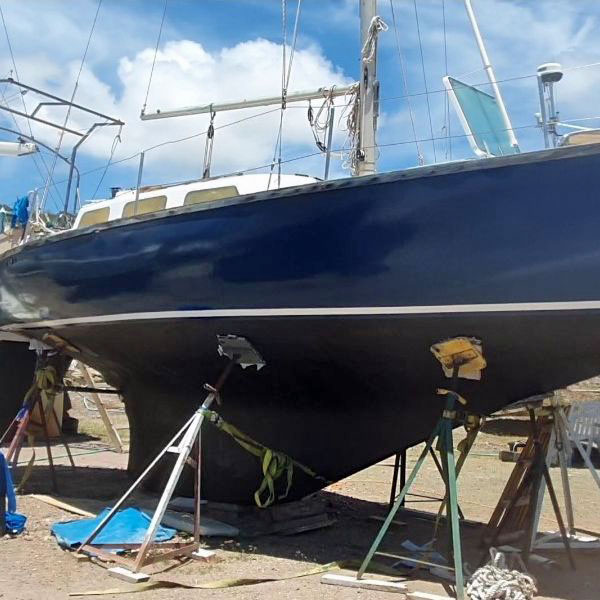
(127, 575)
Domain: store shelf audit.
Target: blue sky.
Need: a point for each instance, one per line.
(216, 50)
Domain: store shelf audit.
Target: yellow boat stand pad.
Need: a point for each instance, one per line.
(352, 565)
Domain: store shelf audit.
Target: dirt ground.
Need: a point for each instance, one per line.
(32, 566)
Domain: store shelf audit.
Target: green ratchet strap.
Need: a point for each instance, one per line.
(230, 583)
(273, 463)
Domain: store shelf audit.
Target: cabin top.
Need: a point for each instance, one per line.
(154, 198)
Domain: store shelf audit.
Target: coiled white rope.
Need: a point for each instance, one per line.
(368, 50)
(496, 582)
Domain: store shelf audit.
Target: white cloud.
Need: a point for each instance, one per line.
(185, 74)
(519, 36)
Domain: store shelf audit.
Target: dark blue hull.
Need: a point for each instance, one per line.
(342, 287)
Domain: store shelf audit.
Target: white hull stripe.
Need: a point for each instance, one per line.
(314, 312)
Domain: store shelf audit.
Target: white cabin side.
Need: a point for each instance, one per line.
(161, 197)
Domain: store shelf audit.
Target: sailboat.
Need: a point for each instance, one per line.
(342, 286)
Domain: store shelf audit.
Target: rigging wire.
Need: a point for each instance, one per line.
(10, 50)
(279, 143)
(37, 166)
(293, 48)
(162, 22)
(420, 158)
(67, 116)
(446, 97)
(175, 141)
(286, 71)
(445, 91)
(116, 141)
(424, 77)
(386, 145)
(294, 159)
(346, 105)
(14, 64)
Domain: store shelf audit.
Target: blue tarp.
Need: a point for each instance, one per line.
(15, 523)
(127, 526)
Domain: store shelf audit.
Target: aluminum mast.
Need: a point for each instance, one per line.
(368, 95)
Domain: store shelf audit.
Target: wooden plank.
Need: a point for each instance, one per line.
(380, 585)
(417, 561)
(127, 575)
(102, 555)
(180, 550)
(426, 596)
(113, 434)
(62, 505)
(203, 554)
(382, 519)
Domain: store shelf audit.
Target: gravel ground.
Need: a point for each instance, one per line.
(32, 566)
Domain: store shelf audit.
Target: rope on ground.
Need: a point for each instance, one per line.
(273, 463)
(495, 582)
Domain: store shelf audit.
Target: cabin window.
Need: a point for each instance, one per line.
(93, 217)
(207, 195)
(144, 206)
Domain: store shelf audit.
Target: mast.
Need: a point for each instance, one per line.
(487, 67)
(369, 93)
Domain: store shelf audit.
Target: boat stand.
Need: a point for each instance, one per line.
(562, 435)
(520, 499)
(460, 357)
(239, 351)
(41, 396)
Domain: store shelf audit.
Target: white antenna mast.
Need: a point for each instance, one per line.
(487, 66)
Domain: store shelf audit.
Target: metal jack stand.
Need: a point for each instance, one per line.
(560, 440)
(460, 357)
(239, 351)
